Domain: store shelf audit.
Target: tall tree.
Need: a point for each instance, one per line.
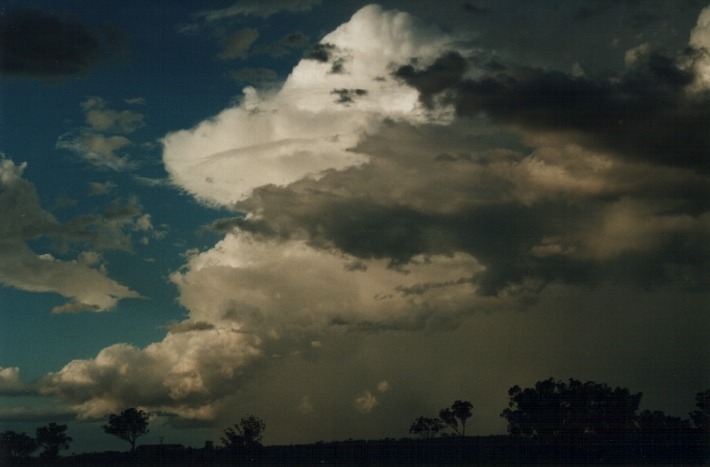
(427, 427)
(16, 445)
(129, 425)
(52, 438)
(701, 416)
(556, 408)
(455, 417)
(245, 434)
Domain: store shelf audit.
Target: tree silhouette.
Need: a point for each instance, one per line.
(246, 434)
(658, 423)
(16, 445)
(458, 413)
(701, 416)
(555, 408)
(129, 425)
(427, 427)
(51, 439)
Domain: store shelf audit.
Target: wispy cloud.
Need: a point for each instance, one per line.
(257, 8)
(24, 219)
(103, 141)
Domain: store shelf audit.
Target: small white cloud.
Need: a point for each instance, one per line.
(305, 406)
(10, 383)
(365, 402)
(383, 386)
(100, 141)
(98, 150)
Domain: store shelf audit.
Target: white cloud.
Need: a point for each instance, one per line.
(273, 286)
(10, 383)
(305, 406)
(101, 118)
(383, 386)
(186, 374)
(700, 39)
(365, 402)
(98, 150)
(102, 142)
(301, 130)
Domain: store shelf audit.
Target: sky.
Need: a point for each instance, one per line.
(339, 216)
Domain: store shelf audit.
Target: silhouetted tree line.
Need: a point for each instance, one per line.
(553, 420)
(50, 439)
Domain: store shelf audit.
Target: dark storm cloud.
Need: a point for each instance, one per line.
(34, 43)
(646, 114)
(499, 235)
(445, 73)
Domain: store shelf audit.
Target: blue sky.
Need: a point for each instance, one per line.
(340, 216)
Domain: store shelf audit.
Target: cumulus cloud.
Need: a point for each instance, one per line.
(365, 402)
(239, 314)
(20, 267)
(186, 374)
(383, 386)
(10, 383)
(305, 406)
(700, 41)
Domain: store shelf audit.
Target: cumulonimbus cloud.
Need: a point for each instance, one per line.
(298, 132)
(399, 206)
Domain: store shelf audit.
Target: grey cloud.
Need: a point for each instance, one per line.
(38, 44)
(514, 212)
(34, 414)
(237, 45)
(24, 219)
(189, 326)
(102, 142)
(11, 385)
(646, 114)
(446, 72)
(285, 45)
(258, 8)
(254, 75)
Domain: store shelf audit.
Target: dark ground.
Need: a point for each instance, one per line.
(490, 450)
